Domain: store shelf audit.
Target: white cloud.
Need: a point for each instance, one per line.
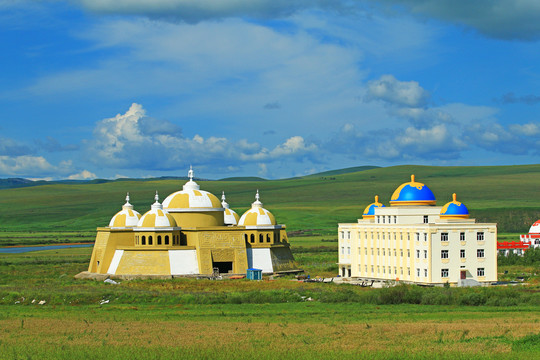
(530, 129)
(24, 165)
(122, 142)
(83, 175)
(400, 93)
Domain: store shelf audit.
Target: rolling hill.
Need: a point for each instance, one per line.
(508, 195)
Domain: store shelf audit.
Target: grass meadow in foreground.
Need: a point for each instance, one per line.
(199, 319)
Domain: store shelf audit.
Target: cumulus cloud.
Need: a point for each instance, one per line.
(400, 93)
(83, 175)
(514, 139)
(24, 165)
(124, 141)
(508, 20)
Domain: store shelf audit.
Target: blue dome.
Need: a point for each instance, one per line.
(413, 193)
(369, 211)
(454, 209)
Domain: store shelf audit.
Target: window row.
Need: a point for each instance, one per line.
(479, 272)
(160, 240)
(479, 236)
(381, 219)
(480, 253)
(261, 238)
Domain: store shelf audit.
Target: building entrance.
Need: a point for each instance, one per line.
(223, 266)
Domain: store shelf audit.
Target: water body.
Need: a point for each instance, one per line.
(23, 249)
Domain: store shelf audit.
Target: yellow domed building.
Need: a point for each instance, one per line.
(415, 241)
(191, 233)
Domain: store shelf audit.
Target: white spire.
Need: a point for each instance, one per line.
(127, 205)
(191, 185)
(157, 205)
(223, 202)
(257, 202)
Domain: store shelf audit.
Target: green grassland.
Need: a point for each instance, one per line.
(281, 318)
(508, 195)
(202, 319)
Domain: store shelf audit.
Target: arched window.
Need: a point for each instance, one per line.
(159, 240)
(252, 238)
(143, 240)
(166, 239)
(267, 237)
(261, 238)
(150, 240)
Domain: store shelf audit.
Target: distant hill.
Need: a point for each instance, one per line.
(243, 178)
(507, 195)
(345, 171)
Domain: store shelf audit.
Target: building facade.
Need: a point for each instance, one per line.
(415, 241)
(191, 233)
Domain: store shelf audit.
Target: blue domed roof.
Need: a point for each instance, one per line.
(454, 209)
(369, 211)
(413, 193)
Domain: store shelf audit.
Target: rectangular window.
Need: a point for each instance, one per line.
(418, 254)
(378, 220)
(343, 250)
(366, 251)
(408, 237)
(480, 253)
(383, 270)
(444, 273)
(425, 254)
(444, 236)
(462, 253)
(372, 269)
(372, 251)
(365, 268)
(395, 219)
(425, 219)
(418, 272)
(378, 252)
(444, 254)
(425, 272)
(417, 236)
(408, 254)
(409, 271)
(348, 235)
(383, 219)
(348, 251)
(462, 236)
(342, 234)
(425, 237)
(480, 236)
(480, 272)
(401, 252)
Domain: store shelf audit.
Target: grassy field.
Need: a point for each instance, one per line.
(285, 318)
(508, 195)
(200, 319)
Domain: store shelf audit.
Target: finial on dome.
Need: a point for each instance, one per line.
(127, 199)
(127, 205)
(257, 199)
(191, 185)
(376, 198)
(454, 197)
(157, 205)
(412, 178)
(223, 202)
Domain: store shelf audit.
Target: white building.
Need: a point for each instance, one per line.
(415, 241)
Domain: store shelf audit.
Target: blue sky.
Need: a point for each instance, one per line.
(271, 88)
